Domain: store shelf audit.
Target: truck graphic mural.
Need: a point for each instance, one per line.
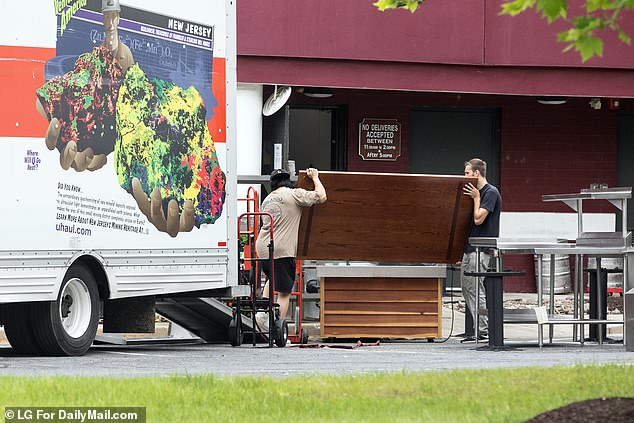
(117, 148)
(164, 154)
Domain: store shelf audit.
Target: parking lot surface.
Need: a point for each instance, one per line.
(326, 356)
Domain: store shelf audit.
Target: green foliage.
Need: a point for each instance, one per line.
(411, 5)
(580, 37)
(552, 9)
(501, 395)
(583, 34)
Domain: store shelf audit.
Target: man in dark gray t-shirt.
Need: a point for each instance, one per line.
(487, 205)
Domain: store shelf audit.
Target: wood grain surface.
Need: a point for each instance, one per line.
(386, 217)
(380, 308)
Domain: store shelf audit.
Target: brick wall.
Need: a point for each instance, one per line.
(553, 149)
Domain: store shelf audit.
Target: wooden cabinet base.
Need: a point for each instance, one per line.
(381, 307)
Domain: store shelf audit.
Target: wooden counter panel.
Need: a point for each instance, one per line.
(377, 319)
(374, 332)
(393, 307)
(372, 307)
(379, 296)
(384, 284)
(386, 217)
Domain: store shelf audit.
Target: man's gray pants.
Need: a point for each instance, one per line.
(468, 284)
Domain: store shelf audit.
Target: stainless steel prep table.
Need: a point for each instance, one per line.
(524, 246)
(598, 244)
(617, 196)
(597, 253)
(552, 248)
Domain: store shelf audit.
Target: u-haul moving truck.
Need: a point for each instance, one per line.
(130, 193)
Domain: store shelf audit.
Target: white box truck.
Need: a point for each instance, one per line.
(118, 158)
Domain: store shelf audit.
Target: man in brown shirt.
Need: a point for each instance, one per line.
(285, 205)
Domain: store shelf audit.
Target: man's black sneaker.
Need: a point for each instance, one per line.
(462, 335)
(471, 338)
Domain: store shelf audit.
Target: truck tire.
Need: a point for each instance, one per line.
(18, 328)
(68, 326)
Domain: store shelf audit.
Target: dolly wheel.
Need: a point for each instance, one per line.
(235, 333)
(281, 333)
(304, 339)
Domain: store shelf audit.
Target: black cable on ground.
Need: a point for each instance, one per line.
(441, 341)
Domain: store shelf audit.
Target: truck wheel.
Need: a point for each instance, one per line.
(18, 328)
(304, 339)
(68, 326)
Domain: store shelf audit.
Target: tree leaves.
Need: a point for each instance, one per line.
(583, 35)
(552, 9)
(587, 46)
(516, 7)
(412, 5)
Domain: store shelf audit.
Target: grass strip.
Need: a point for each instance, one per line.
(501, 395)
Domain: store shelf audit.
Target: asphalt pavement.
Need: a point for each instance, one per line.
(323, 357)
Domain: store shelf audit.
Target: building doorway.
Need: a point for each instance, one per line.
(312, 136)
(441, 140)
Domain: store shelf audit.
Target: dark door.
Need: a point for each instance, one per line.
(317, 137)
(441, 140)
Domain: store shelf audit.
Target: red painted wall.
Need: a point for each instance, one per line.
(528, 40)
(450, 31)
(447, 46)
(447, 31)
(555, 150)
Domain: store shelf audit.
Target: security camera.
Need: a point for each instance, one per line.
(595, 103)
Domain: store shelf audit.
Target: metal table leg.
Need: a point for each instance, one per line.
(494, 298)
(551, 296)
(599, 300)
(540, 300)
(582, 336)
(575, 305)
(626, 287)
(476, 323)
